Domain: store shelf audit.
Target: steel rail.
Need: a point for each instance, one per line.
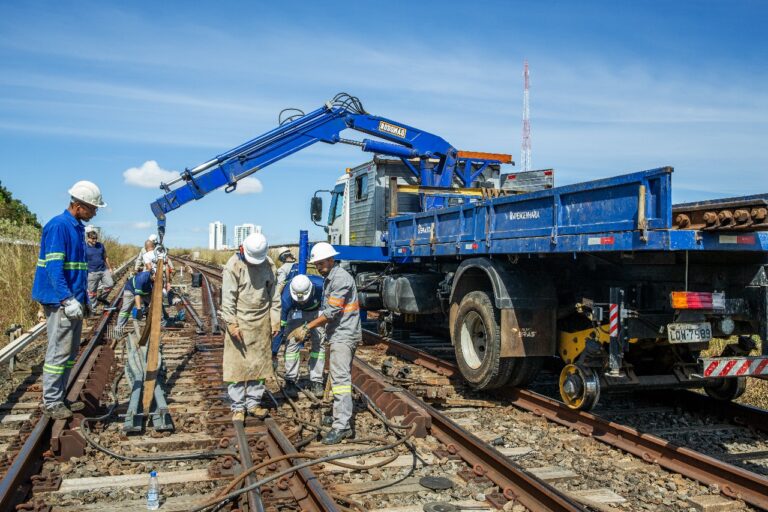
(15, 485)
(514, 482)
(208, 298)
(732, 481)
(314, 496)
(193, 313)
(246, 462)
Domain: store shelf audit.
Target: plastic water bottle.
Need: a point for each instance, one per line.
(153, 492)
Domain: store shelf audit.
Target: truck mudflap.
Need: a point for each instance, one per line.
(720, 367)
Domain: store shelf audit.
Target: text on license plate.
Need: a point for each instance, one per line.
(689, 333)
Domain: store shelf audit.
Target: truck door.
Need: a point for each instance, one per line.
(336, 215)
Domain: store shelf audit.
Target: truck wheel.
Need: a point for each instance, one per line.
(727, 389)
(477, 342)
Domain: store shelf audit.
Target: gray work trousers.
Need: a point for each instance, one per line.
(246, 395)
(99, 281)
(63, 344)
(127, 306)
(341, 383)
(293, 347)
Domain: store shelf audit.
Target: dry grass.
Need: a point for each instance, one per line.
(17, 272)
(221, 257)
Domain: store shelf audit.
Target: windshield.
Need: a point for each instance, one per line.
(337, 203)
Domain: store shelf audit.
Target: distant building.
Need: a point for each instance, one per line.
(242, 231)
(217, 236)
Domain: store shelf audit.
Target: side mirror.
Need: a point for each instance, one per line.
(316, 209)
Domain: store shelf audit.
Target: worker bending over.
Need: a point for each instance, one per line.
(287, 270)
(340, 314)
(61, 287)
(100, 280)
(300, 304)
(250, 305)
(138, 265)
(137, 293)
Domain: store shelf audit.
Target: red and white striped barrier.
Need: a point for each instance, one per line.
(716, 367)
(613, 314)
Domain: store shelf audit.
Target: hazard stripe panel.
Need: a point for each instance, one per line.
(716, 367)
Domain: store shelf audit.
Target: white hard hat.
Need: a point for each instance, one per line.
(283, 253)
(322, 251)
(255, 248)
(87, 192)
(152, 237)
(90, 228)
(301, 288)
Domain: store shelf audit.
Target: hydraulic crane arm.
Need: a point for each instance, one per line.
(325, 125)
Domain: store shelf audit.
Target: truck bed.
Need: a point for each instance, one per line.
(631, 212)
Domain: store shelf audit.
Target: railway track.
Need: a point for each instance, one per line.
(422, 439)
(680, 420)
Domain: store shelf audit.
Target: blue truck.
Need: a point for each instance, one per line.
(628, 290)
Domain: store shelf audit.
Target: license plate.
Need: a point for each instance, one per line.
(689, 333)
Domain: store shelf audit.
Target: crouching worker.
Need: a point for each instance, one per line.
(250, 306)
(137, 293)
(300, 304)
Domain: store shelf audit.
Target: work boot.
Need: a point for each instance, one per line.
(317, 389)
(335, 436)
(291, 389)
(57, 411)
(258, 412)
(75, 406)
(238, 415)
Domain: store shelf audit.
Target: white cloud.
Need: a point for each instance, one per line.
(149, 175)
(249, 185)
(142, 225)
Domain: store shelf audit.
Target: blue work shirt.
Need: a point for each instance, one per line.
(140, 284)
(96, 255)
(287, 304)
(62, 271)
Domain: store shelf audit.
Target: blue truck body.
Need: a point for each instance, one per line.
(593, 216)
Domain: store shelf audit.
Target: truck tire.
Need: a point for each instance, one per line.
(477, 342)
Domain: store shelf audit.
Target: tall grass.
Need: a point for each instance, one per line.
(17, 271)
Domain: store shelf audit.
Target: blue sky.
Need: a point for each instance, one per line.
(89, 90)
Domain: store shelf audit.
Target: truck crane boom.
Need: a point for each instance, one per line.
(325, 125)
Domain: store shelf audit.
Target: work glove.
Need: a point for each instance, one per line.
(300, 333)
(73, 309)
(234, 331)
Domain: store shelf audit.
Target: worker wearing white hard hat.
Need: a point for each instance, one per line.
(300, 304)
(250, 306)
(340, 315)
(149, 245)
(61, 287)
(288, 268)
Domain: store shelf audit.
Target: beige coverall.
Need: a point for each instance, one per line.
(250, 300)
